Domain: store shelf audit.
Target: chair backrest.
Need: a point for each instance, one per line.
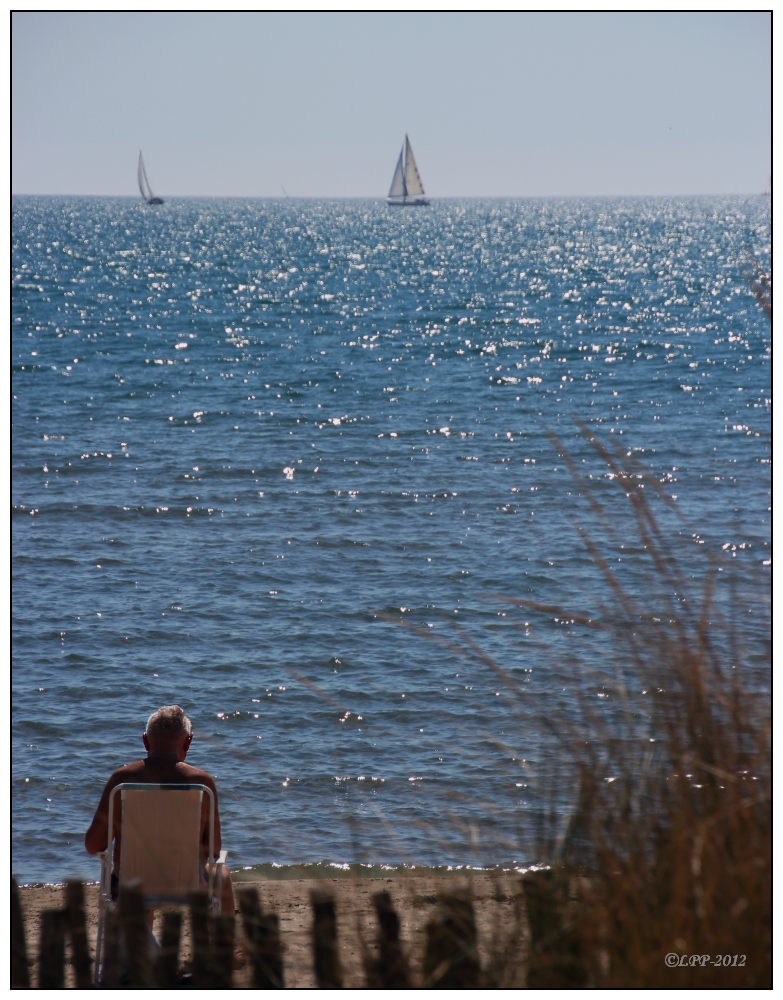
(161, 837)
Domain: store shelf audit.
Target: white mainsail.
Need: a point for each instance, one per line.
(142, 176)
(144, 184)
(412, 180)
(397, 189)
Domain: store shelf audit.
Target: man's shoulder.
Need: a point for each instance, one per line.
(197, 776)
(127, 772)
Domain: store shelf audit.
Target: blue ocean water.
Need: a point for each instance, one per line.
(243, 428)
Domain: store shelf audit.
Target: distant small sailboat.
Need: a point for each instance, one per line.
(144, 185)
(406, 187)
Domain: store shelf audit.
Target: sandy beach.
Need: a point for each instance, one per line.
(414, 896)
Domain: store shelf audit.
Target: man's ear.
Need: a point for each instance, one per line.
(188, 741)
(146, 742)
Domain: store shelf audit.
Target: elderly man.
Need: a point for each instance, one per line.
(167, 741)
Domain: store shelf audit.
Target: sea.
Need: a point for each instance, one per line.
(288, 464)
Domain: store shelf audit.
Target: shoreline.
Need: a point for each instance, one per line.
(414, 897)
(328, 871)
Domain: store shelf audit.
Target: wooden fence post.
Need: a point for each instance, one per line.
(51, 954)
(223, 952)
(136, 932)
(200, 920)
(451, 959)
(20, 973)
(326, 959)
(77, 928)
(555, 959)
(390, 970)
(262, 931)
(110, 973)
(167, 963)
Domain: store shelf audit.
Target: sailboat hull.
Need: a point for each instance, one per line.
(155, 201)
(408, 202)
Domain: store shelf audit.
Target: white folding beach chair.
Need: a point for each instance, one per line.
(160, 849)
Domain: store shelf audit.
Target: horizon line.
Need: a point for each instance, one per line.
(372, 197)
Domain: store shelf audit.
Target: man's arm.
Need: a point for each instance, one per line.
(206, 779)
(97, 837)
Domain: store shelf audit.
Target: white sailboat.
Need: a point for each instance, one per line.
(406, 187)
(144, 185)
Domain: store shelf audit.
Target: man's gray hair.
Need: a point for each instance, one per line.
(169, 720)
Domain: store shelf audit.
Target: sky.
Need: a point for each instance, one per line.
(504, 104)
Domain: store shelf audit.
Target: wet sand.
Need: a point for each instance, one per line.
(414, 896)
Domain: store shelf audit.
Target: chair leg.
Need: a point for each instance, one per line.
(104, 893)
(219, 888)
(99, 941)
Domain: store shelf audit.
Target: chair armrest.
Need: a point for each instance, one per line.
(217, 862)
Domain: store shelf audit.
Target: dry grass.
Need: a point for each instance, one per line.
(668, 847)
(672, 830)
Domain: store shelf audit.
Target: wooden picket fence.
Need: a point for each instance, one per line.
(450, 958)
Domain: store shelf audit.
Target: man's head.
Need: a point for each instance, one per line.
(168, 730)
